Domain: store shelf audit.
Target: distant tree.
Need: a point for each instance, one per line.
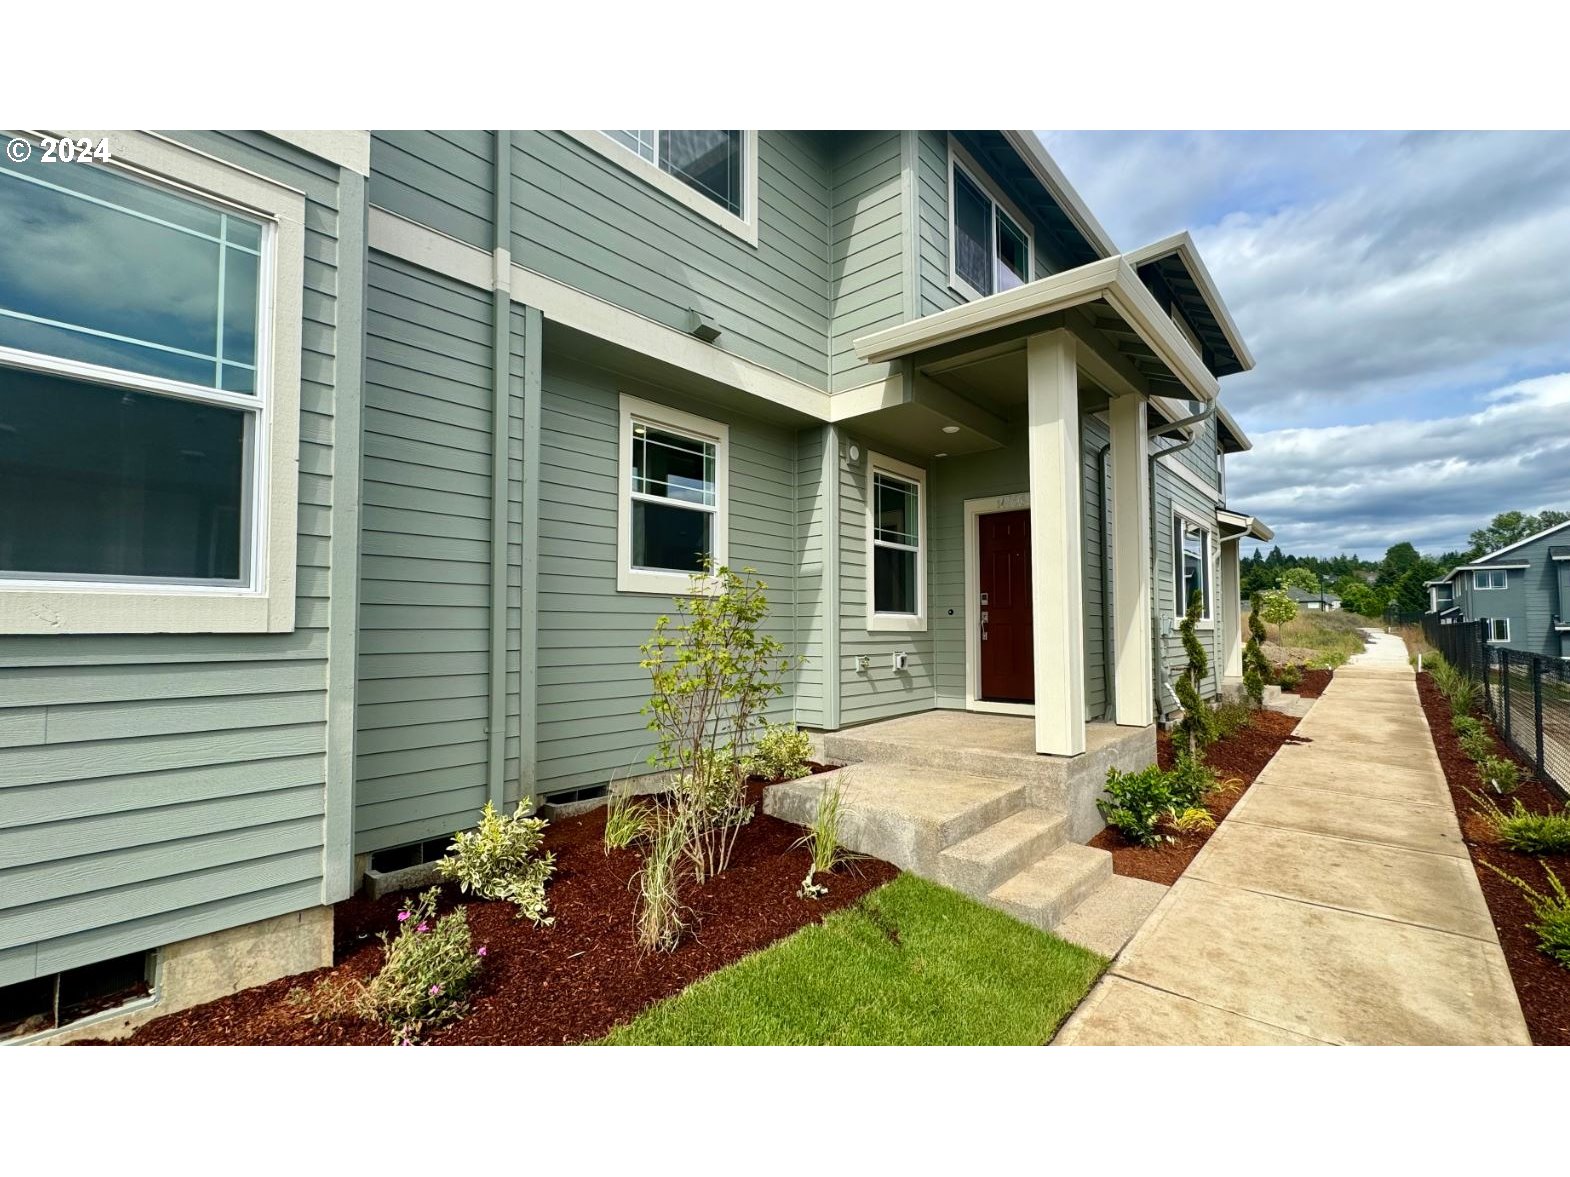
(1361, 599)
(1303, 579)
(1399, 560)
(1411, 591)
(1510, 527)
(1276, 608)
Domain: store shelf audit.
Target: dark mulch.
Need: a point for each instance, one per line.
(568, 983)
(1241, 756)
(1542, 985)
(1313, 683)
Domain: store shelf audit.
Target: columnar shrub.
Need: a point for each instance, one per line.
(1198, 727)
(501, 859)
(1256, 668)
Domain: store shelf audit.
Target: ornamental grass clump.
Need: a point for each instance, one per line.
(502, 859)
(822, 840)
(660, 917)
(627, 820)
(1524, 831)
(1552, 913)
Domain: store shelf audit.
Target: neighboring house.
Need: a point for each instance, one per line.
(342, 474)
(1314, 601)
(1523, 590)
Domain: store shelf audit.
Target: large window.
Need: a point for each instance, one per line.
(139, 446)
(714, 173)
(896, 542)
(1490, 578)
(989, 249)
(672, 518)
(1193, 547)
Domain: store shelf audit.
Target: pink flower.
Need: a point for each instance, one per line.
(436, 990)
(423, 928)
(481, 952)
(402, 915)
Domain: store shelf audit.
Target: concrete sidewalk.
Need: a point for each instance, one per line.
(1336, 903)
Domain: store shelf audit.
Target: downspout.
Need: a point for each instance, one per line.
(1159, 660)
(501, 365)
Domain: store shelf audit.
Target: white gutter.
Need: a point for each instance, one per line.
(1183, 246)
(1246, 525)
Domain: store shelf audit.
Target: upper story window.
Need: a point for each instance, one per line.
(896, 544)
(713, 173)
(141, 450)
(1193, 544)
(990, 242)
(672, 519)
(1490, 578)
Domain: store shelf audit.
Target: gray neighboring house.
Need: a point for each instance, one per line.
(1523, 590)
(342, 474)
(1314, 601)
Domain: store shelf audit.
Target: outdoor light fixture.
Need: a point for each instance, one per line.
(951, 429)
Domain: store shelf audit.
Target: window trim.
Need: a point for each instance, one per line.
(961, 159)
(266, 603)
(634, 410)
(896, 622)
(744, 226)
(1179, 518)
(1477, 582)
(1492, 622)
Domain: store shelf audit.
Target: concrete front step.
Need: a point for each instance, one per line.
(982, 861)
(1048, 889)
(1111, 914)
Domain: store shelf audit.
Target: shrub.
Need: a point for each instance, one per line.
(1552, 912)
(626, 820)
(1524, 831)
(1189, 782)
(1466, 726)
(823, 840)
(1256, 669)
(1232, 717)
(501, 859)
(660, 917)
(781, 753)
(1478, 745)
(428, 969)
(1135, 803)
(1196, 819)
(1198, 727)
(1501, 773)
(1290, 677)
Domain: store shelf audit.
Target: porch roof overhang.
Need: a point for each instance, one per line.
(1241, 525)
(1233, 439)
(1110, 283)
(1183, 272)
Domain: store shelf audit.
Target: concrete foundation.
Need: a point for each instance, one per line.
(204, 968)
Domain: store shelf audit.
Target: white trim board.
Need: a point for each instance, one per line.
(959, 158)
(347, 149)
(974, 509)
(1174, 465)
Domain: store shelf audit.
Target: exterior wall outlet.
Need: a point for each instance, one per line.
(863, 663)
(899, 659)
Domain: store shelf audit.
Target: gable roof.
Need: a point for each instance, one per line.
(1488, 560)
(1298, 594)
(1045, 169)
(1177, 260)
(1233, 439)
(1521, 543)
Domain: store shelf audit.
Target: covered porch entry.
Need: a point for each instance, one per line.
(1034, 406)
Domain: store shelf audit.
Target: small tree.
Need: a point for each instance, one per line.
(1255, 667)
(1275, 607)
(1199, 722)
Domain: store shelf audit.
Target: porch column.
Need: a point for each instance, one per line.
(1057, 603)
(1133, 701)
(1231, 610)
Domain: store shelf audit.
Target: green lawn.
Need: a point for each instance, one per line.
(911, 964)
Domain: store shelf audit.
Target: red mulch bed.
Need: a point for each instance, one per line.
(1242, 756)
(1542, 985)
(1313, 683)
(567, 983)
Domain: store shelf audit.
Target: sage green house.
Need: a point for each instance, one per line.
(343, 473)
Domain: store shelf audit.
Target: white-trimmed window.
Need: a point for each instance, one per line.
(714, 173)
(1193, 547)
(896, 545)
(149, 392)
(672, 515)
(1499, 629)
(1490, 578)
(991, 243)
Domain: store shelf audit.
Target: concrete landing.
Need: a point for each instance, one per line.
(1336, 903)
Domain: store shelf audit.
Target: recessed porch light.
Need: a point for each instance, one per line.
(951, 429)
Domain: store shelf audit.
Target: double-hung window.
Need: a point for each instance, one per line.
(672, 519)
(148, 393)
(1490, 578)
(714, 173)
(1499, 629)
(896, 545)
(1192, 544)
(990, 244)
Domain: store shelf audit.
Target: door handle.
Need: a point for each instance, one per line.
(983, 632)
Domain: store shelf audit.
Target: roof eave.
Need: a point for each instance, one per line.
(1028, 145)
(1183, 245)
(1248, 525)
(1229, 422)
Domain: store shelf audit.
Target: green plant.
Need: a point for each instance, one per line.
(1135, 803)
(1196, 819)
(1501, 773)
(1189, 781)
(1276, 608)
(1478, 745)
(1466, 726)
(1231, 717)
(1290, 677)
(1256, 668)
(660, 917)
(626, 820)
(1552, 912)
(1524, 831)
(1198, 726)
(427, 970)
(502, 859)
(823, 841)
(781, 753)
(710, 678)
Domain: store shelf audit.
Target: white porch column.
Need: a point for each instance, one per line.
(1134, 702)
(1231, 610)
(1057, 603)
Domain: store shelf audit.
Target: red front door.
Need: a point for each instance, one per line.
(1007, 671)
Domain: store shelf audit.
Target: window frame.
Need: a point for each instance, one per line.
(896, 622)
(1495, 621)
(1180, 520)
(744, 226)
(634, 410)
(265, 601)
(1477, 580)
(961, 159)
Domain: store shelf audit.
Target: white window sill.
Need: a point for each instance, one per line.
(744, 227)
(1204, 625)
(896, 623)
(665, 584)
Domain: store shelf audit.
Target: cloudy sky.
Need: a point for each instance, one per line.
(1407, 300)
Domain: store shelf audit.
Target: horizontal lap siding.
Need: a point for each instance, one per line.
(867, 249)
(425, 538)
(1171, 492)
(584, 220)
(443, 179)
(590, 686)
(811, 598)
(158, 787)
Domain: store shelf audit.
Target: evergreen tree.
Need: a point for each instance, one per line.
(1198, 727)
